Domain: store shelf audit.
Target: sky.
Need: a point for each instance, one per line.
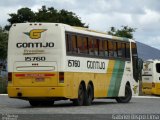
(144, 15)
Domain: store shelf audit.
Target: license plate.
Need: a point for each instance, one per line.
(39, 79)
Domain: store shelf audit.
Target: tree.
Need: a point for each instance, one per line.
(45, 15)
(124, 32)
(70, 18)
(22, 15)
(3, 44)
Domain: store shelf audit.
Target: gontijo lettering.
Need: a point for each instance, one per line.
(35, 45)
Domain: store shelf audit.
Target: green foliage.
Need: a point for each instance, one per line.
(3, 44)
(22, 15)
(124, 32)
(45, 15)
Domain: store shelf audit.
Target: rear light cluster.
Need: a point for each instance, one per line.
(35, 75)
(9, 77)
(61, 77)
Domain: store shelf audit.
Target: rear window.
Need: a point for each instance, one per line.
(158, 67)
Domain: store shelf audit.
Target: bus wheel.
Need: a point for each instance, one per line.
(47, 103)
(34, 103)
(127, 97)
(80, 99)
(89, 95)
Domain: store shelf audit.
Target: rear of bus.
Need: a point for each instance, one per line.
(156, 80)
(147, 77)
(34, 58)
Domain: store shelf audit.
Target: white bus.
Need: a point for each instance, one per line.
(53, 61)
(151, 77)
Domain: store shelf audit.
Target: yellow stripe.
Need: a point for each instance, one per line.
(146, 85)
(109, 73)
(156, 89)
(147, 88)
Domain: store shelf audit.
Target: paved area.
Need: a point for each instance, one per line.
(138, 105)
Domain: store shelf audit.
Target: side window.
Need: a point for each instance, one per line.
(90, 45)
(115, 49)
(80, 44)
(158, 67)
(123, 50)
(101, 50)
(105, 42)
(112, 49)
(95, 42)
(68, 43)
(74, 43)
(134, 49)
(85, 45)
(127, 50)
(119, 49)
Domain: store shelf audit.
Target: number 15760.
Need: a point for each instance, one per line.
(35, 58)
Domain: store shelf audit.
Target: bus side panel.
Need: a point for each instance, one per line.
(156, 89)
(71, 86)
(100, 85)
(105, 84)
(116, 79)
(73, 80)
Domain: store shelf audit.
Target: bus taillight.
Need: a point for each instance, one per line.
(61, 77)
(9, 77)
(153, 84)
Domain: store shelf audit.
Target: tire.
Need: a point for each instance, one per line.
(34, 103)
(127, 97)
(43, 103)
(80, 100)
(89, 95)
(47, 103)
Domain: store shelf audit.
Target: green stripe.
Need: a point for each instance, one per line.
(119, 78)
(116, 78)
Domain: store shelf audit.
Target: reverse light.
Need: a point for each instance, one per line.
(9, 77)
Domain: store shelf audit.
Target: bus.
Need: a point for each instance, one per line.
(151, 77)
(53, 61)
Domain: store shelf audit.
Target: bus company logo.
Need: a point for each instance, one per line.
(35, 33)
(146, 67)
(135, 88)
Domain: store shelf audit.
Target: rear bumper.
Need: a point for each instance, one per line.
(147, 91)
(155, 91)
(36, 92)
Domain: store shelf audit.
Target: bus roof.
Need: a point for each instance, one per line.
(153, 60)
(83, 30)
(80, 30)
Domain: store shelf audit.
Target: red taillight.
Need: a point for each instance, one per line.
(49, 75)
(20, 75)
(9, 77)
(153, 84)
(35, 75)
(61, 77)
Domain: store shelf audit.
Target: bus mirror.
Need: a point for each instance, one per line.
(4, 70)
